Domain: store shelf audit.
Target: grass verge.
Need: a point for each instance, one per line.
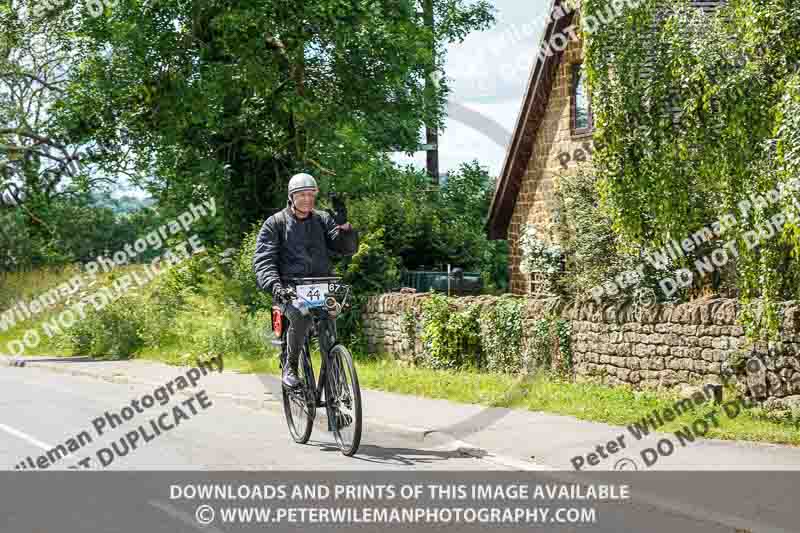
(586, 401)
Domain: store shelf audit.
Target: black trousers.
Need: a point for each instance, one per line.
(299, 325)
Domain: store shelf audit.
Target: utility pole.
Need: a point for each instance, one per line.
(431, 134)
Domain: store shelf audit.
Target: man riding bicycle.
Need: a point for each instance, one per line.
(299, 242)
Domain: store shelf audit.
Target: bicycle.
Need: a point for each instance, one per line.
(322, 299)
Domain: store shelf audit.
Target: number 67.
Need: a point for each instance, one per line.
(96, 7)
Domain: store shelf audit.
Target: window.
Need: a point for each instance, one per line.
(582, 120)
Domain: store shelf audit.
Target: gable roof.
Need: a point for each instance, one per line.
(530, 117)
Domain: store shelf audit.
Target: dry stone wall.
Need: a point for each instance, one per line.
(667, 345)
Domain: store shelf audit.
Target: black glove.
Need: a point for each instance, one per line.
(278, 292)
(339, 212)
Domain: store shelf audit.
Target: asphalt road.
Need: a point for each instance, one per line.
(41, 409)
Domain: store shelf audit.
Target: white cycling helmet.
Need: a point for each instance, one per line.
(302, 182)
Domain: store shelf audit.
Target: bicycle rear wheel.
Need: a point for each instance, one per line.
(343, 400)
(299, 404)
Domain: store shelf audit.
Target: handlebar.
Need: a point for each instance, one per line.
(331, 303)
(303, 281)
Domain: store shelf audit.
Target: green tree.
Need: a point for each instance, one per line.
(229, 99)
(429, 227)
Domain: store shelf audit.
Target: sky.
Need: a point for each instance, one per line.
(488, 73)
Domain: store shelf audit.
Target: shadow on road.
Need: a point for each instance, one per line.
(395, 455)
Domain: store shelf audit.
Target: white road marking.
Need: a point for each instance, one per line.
(24, 436)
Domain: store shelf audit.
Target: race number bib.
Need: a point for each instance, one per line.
(313, 294)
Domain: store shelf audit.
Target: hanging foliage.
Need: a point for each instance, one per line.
(697, 119)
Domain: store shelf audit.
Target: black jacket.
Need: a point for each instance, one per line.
(291, 247)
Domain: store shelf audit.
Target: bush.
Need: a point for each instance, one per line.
(550, 341)
(113, 332)
(431, 228)
(539, 352)
(163, 304)
(370, 271)
(167, 297)
(18, 249)
(244, 290)
(501, 335)
(233, 332)
(595, 253)
(137, 319)
(205, 318)
(451, 338)
(538, 255)
(490, 337)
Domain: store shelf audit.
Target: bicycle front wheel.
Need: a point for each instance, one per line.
(343, 402)
(299, 404)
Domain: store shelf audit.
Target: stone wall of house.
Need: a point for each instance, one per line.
(555, 151)
(662, 346)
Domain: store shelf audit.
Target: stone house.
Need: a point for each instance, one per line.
(553, 135)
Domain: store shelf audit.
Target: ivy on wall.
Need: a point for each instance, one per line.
(501, 335)
(489, 338)
(549, 346)
(410, 329)
(695, 114)
(451, 338)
